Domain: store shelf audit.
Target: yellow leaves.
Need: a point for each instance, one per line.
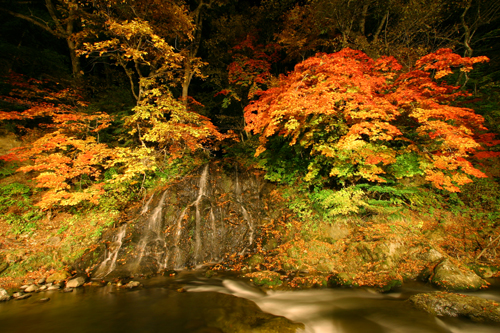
(168, 123)
(350, 142)
(130, 29)
(132, 162)
(55, 197)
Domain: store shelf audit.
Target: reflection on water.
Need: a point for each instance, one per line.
(160, 308)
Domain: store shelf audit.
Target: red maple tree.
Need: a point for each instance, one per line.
(360, 118)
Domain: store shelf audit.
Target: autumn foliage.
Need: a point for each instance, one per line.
(63, 148)
(361, 119)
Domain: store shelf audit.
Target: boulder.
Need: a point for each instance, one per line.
(442, 303)
(31, 289)
(22, 296)
(53, 240)
(133, 284)
(4, 295)
(75, 283)
(449, 276)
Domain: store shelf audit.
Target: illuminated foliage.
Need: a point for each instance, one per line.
(361, 119)
(66, 157)
(251, 69)
(142, 46)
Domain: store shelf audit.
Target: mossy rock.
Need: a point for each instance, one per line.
(343, 280)
(425, 274)
(3, 265)
(271, 244)
(365, 251)
(456, 305)
(310, 281)
(485, 272)
(255, 260)
(325, 265)
(293, 252)
(449, 276)
(210, 273)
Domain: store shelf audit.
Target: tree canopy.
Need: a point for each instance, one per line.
(364, 91)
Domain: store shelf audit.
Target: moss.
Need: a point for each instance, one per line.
(265, 278)
(255, 260)
(454, 305)
(343, 280)
(485, 271)
(392, 284)
(210, 273)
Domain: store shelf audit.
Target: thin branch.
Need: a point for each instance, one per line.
(52, 12)
(36, 21)
(486, 247)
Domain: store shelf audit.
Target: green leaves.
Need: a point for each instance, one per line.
(370, 121)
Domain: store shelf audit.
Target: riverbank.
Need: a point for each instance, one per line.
(231, 219)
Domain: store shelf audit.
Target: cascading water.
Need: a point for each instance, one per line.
(196, 204)
(153, 237)
(109, 264)
(196, 221)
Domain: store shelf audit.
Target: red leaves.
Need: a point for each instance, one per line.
(375, 104)
(444, 60)
(251, 66)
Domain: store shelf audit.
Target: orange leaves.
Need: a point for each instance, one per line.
(62, 161)
(41, 101)
(444, 60)
(361, 114)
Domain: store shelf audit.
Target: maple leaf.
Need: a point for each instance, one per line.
(360, 115)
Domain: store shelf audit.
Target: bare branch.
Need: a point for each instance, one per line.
(36, 21)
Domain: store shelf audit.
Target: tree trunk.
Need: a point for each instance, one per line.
(75, 60)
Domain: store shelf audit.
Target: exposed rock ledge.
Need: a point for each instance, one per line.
(442, 303)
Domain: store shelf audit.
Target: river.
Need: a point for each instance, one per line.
(189, 303)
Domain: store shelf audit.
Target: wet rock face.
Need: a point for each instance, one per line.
(198, 220)
(456, 305)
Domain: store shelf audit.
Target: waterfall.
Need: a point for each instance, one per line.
(145, 208)
(153, 232)
(202, 218)
(109, 264)
(201, 193)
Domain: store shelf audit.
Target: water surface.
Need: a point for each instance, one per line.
(206, 303)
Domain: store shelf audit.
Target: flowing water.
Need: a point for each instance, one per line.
(216, 305)
(208, 215)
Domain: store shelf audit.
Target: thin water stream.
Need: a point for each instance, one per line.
(220, 305)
